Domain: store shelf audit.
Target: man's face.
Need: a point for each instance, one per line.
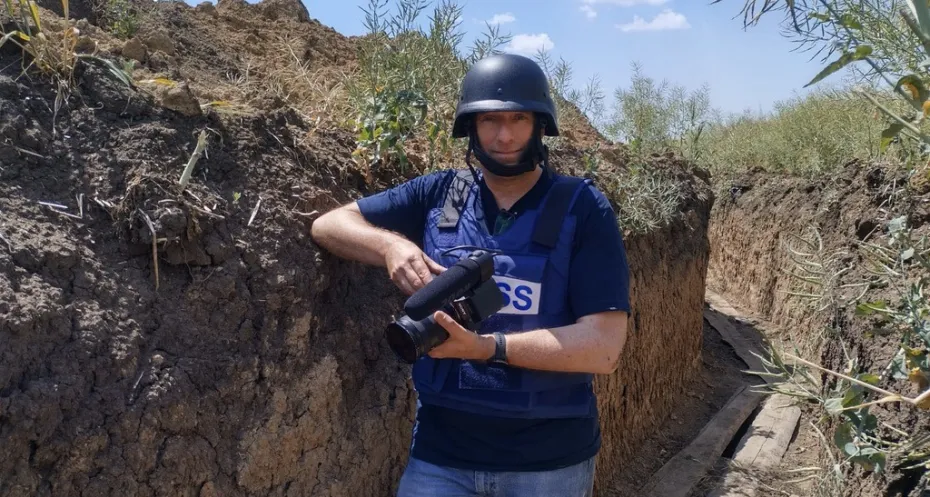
(505, 135)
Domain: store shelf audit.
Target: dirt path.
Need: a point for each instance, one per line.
(797, 465)
(720, 376)
(742, 451)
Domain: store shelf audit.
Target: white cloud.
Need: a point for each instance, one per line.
(529, 45)
(667, 20)
(502, 19)
(589, 11)
(626, 3)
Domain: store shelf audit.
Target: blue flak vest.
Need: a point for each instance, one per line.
(532, 272)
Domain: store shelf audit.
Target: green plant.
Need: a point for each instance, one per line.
(903, 267)
(653, 117)
(122, 17)
(806, 136)
(408, 79)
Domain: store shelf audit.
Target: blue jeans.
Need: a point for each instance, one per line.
(422, 479)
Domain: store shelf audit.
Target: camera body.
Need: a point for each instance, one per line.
(466, 292)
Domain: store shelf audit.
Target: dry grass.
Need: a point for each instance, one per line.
(319, 92)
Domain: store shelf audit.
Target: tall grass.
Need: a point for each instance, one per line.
(807, 135)
(51, 53)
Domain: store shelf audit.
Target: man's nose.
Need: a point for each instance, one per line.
(504, 134)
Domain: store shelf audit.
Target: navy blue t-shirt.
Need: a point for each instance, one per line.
(599, 281)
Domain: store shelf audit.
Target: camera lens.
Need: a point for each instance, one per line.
(401, 337)
(410, 339)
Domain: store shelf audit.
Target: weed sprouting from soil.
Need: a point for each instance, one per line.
(899, 268)
(51, 52)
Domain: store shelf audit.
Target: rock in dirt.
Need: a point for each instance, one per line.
(135, 49)
(178, 98)
(275, 10)
(159, 41)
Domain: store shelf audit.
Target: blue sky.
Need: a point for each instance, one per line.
(687, 42)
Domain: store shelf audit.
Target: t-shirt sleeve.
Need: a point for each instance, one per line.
(403, 208)
(599, 279)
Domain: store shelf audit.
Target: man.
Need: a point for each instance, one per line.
(509, 409)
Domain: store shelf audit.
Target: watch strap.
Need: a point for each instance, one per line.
(500, 348)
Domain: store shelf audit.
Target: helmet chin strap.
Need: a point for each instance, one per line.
(535, 152)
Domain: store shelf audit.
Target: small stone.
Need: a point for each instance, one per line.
(208, 490)
(134, 49)
(85, 44)
(179, 99)
(159, 41)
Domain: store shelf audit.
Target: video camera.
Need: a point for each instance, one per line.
(465, 291)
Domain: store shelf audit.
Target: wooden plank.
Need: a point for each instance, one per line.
(741, 345)
(686, 468)
(767, 439)
(716, 301)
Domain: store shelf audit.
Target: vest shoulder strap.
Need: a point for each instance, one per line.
(560, 201)
(456, 195)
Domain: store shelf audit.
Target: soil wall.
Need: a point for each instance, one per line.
(752, 226)
(663, 350)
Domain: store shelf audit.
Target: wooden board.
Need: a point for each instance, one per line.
(767, 439)
(686, 468)
(741, 344)
(720, 304)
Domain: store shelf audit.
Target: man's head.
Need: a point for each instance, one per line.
(504, 109)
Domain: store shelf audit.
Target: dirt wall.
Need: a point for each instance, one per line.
(757, 217)
(663, 351)
(751, 228)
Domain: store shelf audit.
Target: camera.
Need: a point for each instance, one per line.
(465, 291)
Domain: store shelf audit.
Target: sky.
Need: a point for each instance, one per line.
(686, 42)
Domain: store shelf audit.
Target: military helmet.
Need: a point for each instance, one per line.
(505, 82)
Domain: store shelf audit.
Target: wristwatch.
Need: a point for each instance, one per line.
(500, 349)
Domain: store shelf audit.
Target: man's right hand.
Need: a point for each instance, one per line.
(409, 267)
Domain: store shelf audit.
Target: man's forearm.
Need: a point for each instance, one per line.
(592, 346)
(344, 233)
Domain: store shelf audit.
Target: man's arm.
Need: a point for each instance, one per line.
(377, 230)
(598, 292)
(591, 345)
(345, 233)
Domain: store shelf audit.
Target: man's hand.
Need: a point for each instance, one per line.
(409, 267)
(462, 343)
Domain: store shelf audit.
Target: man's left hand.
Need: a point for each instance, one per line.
(462, 343)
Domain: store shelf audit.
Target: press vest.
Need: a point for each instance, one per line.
(532, 271)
